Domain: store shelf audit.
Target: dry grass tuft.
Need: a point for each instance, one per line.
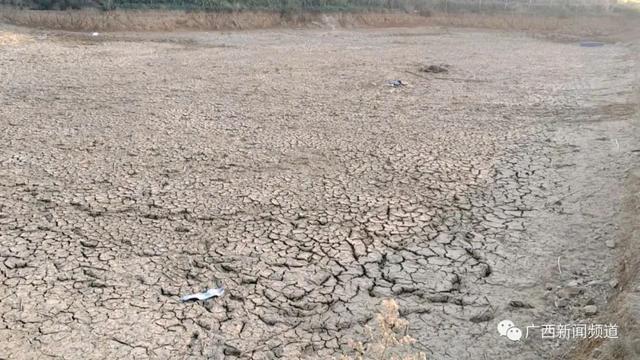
(389, 340)
(171, 20)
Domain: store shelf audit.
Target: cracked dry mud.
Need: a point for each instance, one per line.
(139, 168)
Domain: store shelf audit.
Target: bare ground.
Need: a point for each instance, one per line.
(140, 167)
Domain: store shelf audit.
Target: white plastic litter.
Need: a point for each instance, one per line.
(396, 83)
(215, 292)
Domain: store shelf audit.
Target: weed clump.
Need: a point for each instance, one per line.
(389, 340)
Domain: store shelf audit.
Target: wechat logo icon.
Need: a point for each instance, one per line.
(508, 328)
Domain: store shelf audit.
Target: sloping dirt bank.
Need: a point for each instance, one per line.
(165, 20)
(624, 304)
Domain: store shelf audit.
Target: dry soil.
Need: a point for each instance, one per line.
(136, 168)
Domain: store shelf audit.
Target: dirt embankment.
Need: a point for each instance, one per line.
(624, 306)
(165, 20)
(627, 302)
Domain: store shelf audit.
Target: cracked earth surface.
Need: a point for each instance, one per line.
(279, 164)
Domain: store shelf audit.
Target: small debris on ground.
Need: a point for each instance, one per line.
(485, 316)
(590, 310)
(396, 83)
(168, 291)
(591, 44)
(435, 69)
(231, 350)
(574, 283)
(520, 304)
(570, 292)
(214, 292)
(613, 283)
